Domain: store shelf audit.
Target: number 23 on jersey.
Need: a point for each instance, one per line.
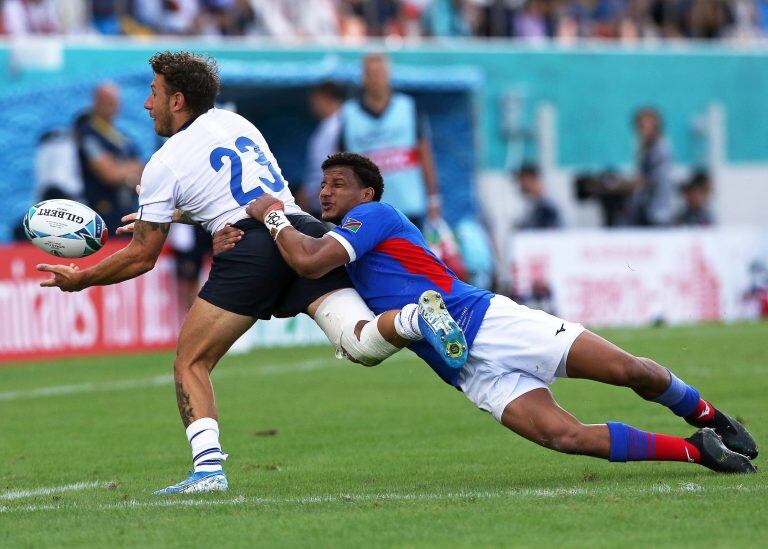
(243, 146)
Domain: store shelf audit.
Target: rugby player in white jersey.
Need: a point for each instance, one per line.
(214, 163)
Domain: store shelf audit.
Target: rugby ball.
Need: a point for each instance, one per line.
(65, 228)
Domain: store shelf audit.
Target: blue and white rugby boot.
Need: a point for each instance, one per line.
(440, 329)
(195, 483)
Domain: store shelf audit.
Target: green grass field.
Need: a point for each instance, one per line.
(324, 453)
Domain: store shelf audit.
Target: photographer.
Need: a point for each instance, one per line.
(540, 211)
(650, 204)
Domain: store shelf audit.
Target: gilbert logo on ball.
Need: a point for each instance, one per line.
(65, 228)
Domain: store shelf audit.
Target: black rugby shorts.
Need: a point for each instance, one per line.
(253, 279)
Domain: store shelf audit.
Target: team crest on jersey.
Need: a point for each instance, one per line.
(352, 224)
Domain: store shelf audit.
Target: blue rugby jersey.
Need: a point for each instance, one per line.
(391, 266)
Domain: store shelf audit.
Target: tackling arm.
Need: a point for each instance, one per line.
(134, 260)
(310, 257)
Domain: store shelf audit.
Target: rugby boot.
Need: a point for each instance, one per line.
(715, 455)
(734, 435)
(195, 483)
(440, 330)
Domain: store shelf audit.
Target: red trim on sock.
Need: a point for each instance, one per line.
(675, 449)
(703, 414)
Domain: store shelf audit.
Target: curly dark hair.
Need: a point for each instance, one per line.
(195, 77)
(368, 174)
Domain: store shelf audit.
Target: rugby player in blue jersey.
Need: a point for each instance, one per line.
(515, 352)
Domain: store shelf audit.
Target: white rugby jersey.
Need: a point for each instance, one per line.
(211, 169)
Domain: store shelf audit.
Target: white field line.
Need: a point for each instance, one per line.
(20, 494)
(167, 379)
(541, 493)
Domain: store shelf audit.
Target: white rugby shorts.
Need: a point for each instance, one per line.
(516, 350)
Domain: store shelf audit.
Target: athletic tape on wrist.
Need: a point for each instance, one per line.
(276, 221)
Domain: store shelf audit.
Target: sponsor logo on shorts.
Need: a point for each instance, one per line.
(352, 224)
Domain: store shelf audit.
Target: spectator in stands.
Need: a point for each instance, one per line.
(242, 18)
(325, 103)
(57, 174)
(708, 19)
(493, 17)
(22, 17)
(109, 160)
(57, 171)
(441, 17)
(596, 18)
(533, 21)
(696, 193)
(650, 204)
(168, 16)
(105, 16)
(566, 20)
(291, 18)
(386, 126)
(540, 211)
(379, 17)
(213, 18)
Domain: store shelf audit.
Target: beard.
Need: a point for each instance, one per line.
(163, 124)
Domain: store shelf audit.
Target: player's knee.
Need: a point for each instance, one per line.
(653, 368)
(185, 363)
(643, 373)
(365, 345)
(181, 365)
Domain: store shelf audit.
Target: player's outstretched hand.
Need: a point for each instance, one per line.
(130, 223)
(259, 208)
(65, 277)
(226, 238)
(129, 220)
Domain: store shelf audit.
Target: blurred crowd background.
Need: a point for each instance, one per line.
(531, 20)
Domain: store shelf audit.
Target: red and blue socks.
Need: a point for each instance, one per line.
(630, 444)
(686, 402)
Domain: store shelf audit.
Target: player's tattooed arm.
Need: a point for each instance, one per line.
(138, 257)
(142, 233)
(179, 216)
(183, 217)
